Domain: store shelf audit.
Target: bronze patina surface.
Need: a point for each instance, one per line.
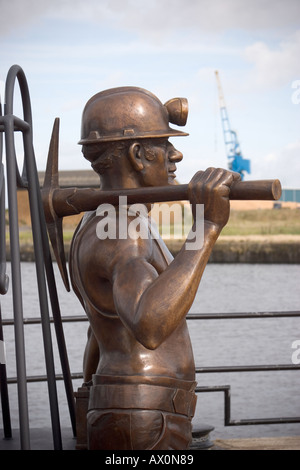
(139, 368)
(139, 355)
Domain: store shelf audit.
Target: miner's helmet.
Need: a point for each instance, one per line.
(130, 113)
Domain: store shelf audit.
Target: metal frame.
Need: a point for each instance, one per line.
(44, 268)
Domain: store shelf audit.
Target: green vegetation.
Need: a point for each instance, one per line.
(241, 223)
(26, 238)
(258, 222)
(264, 222)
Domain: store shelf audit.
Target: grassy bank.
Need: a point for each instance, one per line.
(241, 223)
(257, 236)
(263, 222)
(251, 236)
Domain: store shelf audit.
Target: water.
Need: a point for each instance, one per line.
(224, 288)
(248, 288)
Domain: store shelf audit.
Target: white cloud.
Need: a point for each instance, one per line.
(157, 18)
(283, 164)
(21, 13)
(274, 67)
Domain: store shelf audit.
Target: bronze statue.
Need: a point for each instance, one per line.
(139, 356)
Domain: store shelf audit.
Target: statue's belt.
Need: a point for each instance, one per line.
(143, 397)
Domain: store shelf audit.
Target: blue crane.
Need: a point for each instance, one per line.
(236, 161)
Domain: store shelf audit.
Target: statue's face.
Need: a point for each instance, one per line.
(174, 156)
(161, 166)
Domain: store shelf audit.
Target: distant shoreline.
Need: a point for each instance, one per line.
(253, 249)
(228, 249)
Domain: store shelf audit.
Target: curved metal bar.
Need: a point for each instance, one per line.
(29, 180)
(16, 281)
(40, 234)
(3, 276)
(3, 289)
(16, 72)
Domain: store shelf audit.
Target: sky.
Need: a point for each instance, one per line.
(72, 49)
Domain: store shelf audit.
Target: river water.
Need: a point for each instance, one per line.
(224, 288)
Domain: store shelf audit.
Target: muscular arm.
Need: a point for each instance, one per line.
(151, 305)
(155, 304)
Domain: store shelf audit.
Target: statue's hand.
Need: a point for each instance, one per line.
(211, 188)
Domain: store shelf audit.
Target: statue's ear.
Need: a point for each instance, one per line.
(135, 155)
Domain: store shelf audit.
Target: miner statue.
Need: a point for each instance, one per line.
(139, 368)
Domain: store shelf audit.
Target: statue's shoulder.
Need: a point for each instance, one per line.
(97, 245)
(86, 236)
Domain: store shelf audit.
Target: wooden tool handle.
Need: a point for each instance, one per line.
(256, 190)
(74, 200)
(241, 190)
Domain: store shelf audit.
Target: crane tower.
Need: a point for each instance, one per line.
(236, 162)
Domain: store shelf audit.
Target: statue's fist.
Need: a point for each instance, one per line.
(211, 188)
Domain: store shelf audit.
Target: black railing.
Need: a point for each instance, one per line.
(28, 179)
(226, 389)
